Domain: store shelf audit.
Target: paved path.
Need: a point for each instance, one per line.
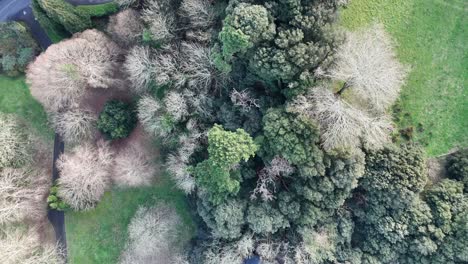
(57, 218)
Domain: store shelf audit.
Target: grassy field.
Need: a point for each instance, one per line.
(431, 37)
(99, 236)
(16, 98)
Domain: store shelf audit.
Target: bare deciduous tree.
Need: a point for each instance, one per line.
(152, 236)
(200, 13)
(230, 253)
(24, 246)
(342, 125)
(126, 3)
(160, 18)
(177, 164)
(75, 125)
(198, 68)
(22, 194)
(176, 105)
(243, 99)
(84, 175)
(134, 166)
(58, 78)
(166, 68)
(148, 109)
(368, 65)
(126, 27)
(151, 117)
(139, 67)
(267, 177)
(14, 142)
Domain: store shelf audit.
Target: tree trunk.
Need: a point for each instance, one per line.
(345, 86)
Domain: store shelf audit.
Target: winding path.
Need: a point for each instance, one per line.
(20, 10)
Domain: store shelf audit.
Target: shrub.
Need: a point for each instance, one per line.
(59, 77)
(126, 27)
(54, 202)
(117, 120)
(14, 142)
(75, 125)
(17, 48)
(22, 193)
(84, 175)
(25, 247)
(152, 236)
(134, 166)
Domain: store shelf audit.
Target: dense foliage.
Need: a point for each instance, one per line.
(63, 13)
(117, 120)
(273, 121)
(17, 48)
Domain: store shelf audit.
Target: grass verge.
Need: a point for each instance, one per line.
(100, 235)
(99, 10)
(16, 98)
(430, 36)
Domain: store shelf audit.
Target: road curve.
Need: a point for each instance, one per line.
(11, 8)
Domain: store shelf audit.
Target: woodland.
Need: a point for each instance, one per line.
(251, 128)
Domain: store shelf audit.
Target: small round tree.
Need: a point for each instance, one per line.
(84, 175)
(117, 119)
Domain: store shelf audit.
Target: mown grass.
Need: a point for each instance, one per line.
(15, 98)
(100, 235)
(431, 39)
(99, 10)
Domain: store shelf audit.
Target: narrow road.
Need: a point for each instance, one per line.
(10, 8)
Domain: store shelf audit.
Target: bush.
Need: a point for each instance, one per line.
(84, 175)
(14, 142)
(55, 202)
(117, 120)
(17, 48)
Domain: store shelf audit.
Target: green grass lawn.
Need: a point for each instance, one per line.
(99, 10)
(99, 236)
(431, 37)
(16, 98)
